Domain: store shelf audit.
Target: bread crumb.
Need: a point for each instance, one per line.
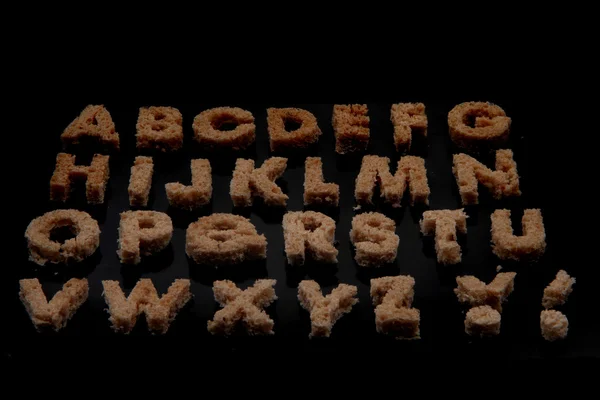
(498, 268)
(243, 308)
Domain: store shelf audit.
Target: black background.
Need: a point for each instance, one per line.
(535, 63)
(88, 335)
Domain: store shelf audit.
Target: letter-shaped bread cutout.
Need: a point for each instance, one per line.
(394, 315)
(159, 128)
(280, 139)
(554, 325)
(375, 169)
(140, 181)
(142, 233)
(474, 292)
(558, 291)
(95, 123)
(222, 239)
(502, 182)
(240, 188)
(160, 311)
(196, 195)
(373, 235)
(243, 308)
(444, 224)
(60, 309)
(476, 125)
(316, 191)
(351, 128)
(310, 232)
(530, 246)
(408, 119)
(325, 310)
(96, 177)
(248, 182)
(42, 249)
(207, 128)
